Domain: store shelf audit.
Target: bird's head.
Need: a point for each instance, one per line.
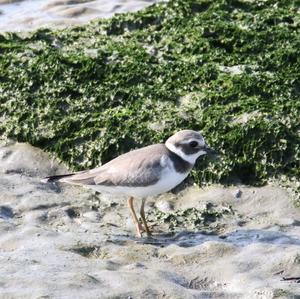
(188, 144)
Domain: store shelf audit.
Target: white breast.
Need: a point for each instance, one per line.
(168, 180)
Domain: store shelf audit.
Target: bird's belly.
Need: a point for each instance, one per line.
(167, 182)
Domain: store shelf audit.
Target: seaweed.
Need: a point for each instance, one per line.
(227, 68)
(191, 218)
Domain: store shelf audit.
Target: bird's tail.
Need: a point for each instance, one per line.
(56, 178)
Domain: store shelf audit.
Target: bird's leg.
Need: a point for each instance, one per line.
(142, 212)
(139, 228)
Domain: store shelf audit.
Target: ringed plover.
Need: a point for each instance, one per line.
(143, 172)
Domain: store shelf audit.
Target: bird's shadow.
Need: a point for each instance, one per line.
(241, 237)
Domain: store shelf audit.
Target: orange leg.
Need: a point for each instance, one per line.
(139, 228)
(142, 212)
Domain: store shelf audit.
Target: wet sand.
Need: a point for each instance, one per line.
(60, 241)
(18, 15)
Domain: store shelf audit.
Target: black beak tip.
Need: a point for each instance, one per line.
(211, 152)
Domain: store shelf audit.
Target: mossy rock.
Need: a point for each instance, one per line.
(227, 68)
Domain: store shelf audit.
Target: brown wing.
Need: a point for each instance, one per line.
(136, 168)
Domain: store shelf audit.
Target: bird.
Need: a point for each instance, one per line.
(144, 172)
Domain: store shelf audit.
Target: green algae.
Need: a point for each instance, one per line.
(191, 218)
(227, 68)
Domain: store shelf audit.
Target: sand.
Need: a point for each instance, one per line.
(61, 241)
(18, 15)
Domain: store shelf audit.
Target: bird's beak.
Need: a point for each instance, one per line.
(210, 151)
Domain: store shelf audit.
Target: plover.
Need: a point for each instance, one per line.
(143, 172)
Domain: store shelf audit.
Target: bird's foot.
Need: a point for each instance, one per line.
(140, 229)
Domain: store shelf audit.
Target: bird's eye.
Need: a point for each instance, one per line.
(193, 143)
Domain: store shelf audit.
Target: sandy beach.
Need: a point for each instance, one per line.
(88, 96)
(32, 14)
(59, 241)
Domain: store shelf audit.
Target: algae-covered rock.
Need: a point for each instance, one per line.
(227, 68)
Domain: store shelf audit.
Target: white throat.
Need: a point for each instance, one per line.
(189, 158)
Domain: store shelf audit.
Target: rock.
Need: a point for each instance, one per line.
(164, 206)
(92, 216)
(238, 193)
(23, 159)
